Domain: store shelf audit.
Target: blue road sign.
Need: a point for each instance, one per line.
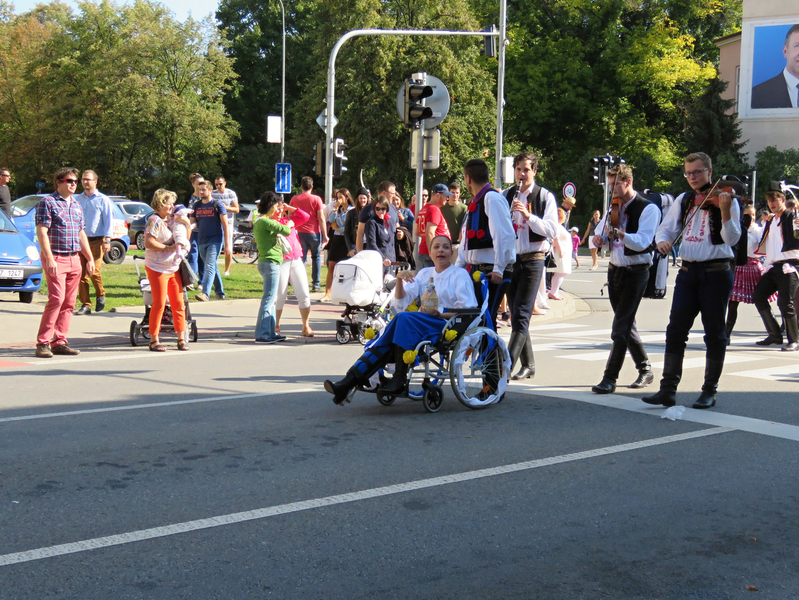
(283, 178)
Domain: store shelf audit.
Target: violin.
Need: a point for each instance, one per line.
(705, 200)
(615, 213)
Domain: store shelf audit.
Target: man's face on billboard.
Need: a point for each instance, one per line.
(791, 52)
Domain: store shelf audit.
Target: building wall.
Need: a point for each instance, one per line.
(769, 9)
(730, 67)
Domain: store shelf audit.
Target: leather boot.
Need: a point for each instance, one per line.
(612, 368)
(772, 328)
(713, 370)
(792, 329)
(645, 375)
(515, 345)
(341, 389)
(672, 373)
(527, 360)
(396, 385)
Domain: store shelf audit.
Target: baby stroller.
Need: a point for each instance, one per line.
(359, 284)
(139, 330)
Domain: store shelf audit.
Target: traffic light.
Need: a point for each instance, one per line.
(320, 157)
(600, 165)
(595, 170)
(338, 157)
(415, 110)
(490, 42)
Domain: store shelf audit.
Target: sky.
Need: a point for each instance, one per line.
(181, 8)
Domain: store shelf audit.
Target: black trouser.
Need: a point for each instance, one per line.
(626, 286)
(521, 292)
(495, 291)
(776, 280)
(701, 287)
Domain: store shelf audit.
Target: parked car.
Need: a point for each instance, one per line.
(244, 218)
(24, 217)
(20, 262)
(136, 214)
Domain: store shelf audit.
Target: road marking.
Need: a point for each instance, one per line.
(788, 373)
(699, 361)
(759, 426)
(10, 363)
(283, 509)
(89, 411)
(555, 326)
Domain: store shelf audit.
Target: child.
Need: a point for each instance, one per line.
(575, 243)
(180, 226)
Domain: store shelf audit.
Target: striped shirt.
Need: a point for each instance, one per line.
(64, 222)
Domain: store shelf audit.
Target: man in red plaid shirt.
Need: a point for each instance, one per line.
(59, 228)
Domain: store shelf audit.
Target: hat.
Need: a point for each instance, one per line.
(569, 200)
(362, 192)
(441, 188)
(575, 229)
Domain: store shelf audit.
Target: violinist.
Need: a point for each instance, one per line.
(534, 211)
(782, 259)
(710, 225)
(629, 227)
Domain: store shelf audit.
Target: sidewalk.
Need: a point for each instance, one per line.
(217, 319)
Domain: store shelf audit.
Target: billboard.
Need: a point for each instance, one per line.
(770, 69)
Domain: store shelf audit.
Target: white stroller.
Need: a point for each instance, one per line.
(359, 284)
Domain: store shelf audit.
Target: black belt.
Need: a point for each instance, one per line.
(488, 268)
(530, 256)
(65, 253)
(722, 264)
(637, 267)
(788, 261)
(94, 238)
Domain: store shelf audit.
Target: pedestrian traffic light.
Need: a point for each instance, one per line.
(415, 111)
(320, 158)
(338, 157)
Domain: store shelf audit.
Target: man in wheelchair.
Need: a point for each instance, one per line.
(455, 289)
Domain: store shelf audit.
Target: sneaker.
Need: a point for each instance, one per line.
(100, 304)
(84, 310)
(201, 297)
(219, 296)
(264, 341)
(43, 351)
(227, 273)
(316, 288)
(64, 350)
(279, 338)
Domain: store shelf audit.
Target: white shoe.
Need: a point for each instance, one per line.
(227, 273)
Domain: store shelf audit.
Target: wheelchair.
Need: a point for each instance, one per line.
(474, 359)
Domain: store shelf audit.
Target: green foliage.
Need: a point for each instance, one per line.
(775, 165)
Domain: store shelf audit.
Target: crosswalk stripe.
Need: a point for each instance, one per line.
(787, 373)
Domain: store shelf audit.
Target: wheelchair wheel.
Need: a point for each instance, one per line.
(385, 399)
(433, 398)
(343, 336)
(479, 368)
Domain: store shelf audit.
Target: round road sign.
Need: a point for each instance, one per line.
(569, 190)
(438, 102)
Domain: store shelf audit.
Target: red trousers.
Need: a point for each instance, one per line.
(62, 289)
(161, 286)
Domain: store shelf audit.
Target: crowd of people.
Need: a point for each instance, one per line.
(510, 236)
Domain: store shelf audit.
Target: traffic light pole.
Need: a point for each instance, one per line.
(503, 28)
(331, 82)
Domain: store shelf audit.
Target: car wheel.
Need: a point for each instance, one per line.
(140, 240)
(26, 297)
(116, 254)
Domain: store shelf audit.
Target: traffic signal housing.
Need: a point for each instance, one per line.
(415, 111)
(339, 158)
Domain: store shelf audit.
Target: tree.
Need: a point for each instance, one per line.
(775, 165)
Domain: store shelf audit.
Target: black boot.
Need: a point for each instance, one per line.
(341, 389)
(672, 373)
(713, 370)
(730, 327)
(792, 329)
(645, 375)
(612, 368)
(527, 360)
(772, 328)
(396, 385)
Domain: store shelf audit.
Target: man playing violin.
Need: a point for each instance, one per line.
(711, 227)
(782, 259)
(629, 227)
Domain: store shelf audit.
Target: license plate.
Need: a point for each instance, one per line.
(11, 273)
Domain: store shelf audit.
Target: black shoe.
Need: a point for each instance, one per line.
(705, 400)
(340, 389)
(644, 379)
(606, 386)
(87, 310)
(394, 386)
(100, 304)
(769, 341)
(662, 398)
(524, 373)
(791, 347)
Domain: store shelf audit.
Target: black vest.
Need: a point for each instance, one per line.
(715, 217)
(633, 212)
(537, 206)
(789, 242)
(479, 238)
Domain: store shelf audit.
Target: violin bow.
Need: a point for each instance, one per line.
(696, 212)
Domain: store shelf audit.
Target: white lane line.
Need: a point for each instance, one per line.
(555, 326)
(283, 509)
(699, 361)
(759, 426)
(785, 373)
(89, 411)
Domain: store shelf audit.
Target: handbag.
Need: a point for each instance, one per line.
(285, 245)
(549, 261)
(187, 274)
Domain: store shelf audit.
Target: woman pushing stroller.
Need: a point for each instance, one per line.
(455, 290)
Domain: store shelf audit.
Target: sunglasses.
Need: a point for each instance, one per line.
(380, 209)
(75, 181)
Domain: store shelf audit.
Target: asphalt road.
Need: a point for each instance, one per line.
(227, 472)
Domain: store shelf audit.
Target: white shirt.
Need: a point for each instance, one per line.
(546, 225)
(500, 226)
(793, 91)
(454, 287)
(754, 235)
(774, 243)
(696, 243)
(638, 241)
